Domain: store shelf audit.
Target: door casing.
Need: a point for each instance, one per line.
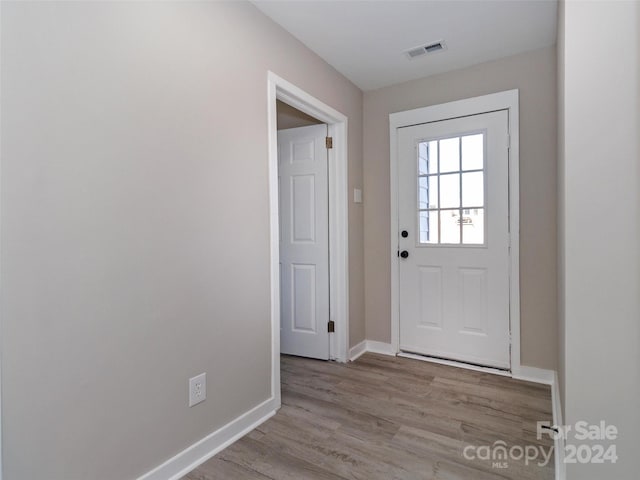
(507, 100)
(280, 89)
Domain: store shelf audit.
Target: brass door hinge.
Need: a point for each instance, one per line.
(331, 327)
(329, 142)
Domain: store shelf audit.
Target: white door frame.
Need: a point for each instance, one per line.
(280, 89)
(471, 106)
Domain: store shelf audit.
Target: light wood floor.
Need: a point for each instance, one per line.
(387, 418)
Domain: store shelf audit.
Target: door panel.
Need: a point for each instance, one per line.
(304, 241)
(303, 208)
(453, 202)
(473, 300)
(303, 298)
(430, 296)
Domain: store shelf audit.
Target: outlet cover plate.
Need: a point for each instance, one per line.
(197, 389)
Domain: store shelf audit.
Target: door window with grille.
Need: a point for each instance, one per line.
(451, 190)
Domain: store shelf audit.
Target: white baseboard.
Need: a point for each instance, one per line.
(370, 346)
(533, 374)
(380, 347)
(357, 350)
(204, 449)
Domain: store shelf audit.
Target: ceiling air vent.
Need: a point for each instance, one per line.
(425, 49)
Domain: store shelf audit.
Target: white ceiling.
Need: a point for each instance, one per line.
(366, 40)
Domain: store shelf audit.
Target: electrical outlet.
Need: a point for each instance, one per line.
(197, 389)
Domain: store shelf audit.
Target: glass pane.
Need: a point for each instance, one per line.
(428, 192)
(433, 157)
(473, 152)
(450, 191)
(428, 227)
(473, 226)
(433, 189)
(450, 154)
(427, 158)
(449, 222)
(423, 158)
(473, 189)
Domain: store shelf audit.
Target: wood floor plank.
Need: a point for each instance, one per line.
(219, 468)
(388, 418)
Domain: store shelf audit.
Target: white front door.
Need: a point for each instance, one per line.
(453, 239)
(304, 241)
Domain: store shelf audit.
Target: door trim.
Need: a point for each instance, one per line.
(507, 100)
(280, 89)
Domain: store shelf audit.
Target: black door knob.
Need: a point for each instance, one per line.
(404, 234)
(404, 254)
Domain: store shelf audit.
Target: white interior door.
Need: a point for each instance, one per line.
(304, 241)
(453, 239)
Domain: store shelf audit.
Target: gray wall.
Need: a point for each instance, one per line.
(135, 226)
(534, 73)
(600, 266)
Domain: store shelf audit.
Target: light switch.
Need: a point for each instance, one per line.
(357, 195)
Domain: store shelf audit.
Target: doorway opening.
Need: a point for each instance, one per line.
(455, 262)
(285, 94)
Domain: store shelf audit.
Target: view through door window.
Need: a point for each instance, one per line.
(451, 197)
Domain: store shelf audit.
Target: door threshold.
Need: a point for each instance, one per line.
(456, 363)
